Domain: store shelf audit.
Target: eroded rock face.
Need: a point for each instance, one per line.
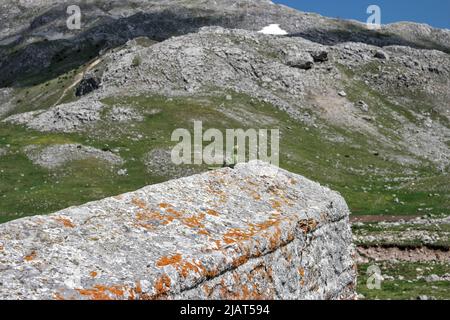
(86, 86)
(244, 233)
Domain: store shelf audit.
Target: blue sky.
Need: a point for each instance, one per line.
(433, 12)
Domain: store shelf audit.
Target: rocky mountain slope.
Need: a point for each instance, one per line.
(34, 35)
(85, 112)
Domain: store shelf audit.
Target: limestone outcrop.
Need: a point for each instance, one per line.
(252, 232)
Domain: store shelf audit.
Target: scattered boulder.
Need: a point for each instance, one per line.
(320, 56)
(432, 278)
(363, 106)
(172, 240)
(122, 172)
(342, 94)
(380, 54)
(301, 60)
(87, 85)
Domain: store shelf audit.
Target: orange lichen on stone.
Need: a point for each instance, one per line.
(169, 260)
(94, 294)
(255, 195)
(164, 205)
(218, 244)
(204, 232)
(183, 267)
(212, 212)
(58, 296)
(207, 290)
(101, 292)
(236, 235)
(162, 285)
(31, 256)
(168, 214)
(301, 271)
(236, 277)
(194, 221)
(217, 191)
(93, 274)
(186, 267)
(249, 191)
(145, 216)
(288, 257)
(240, 261)
(117, 291)
(65, 221)
(267, 224)
(139, 203)
(275, 239)
(138, 288)
(209, 273)
(174, 213)
(245, 292)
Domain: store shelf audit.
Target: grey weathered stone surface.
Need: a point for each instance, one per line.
(55, 156)
(249, 232)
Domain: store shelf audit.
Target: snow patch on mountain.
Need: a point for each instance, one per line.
(273, 29)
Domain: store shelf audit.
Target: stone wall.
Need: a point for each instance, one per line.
(253, 232)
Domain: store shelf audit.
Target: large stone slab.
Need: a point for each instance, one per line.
(253, 232)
